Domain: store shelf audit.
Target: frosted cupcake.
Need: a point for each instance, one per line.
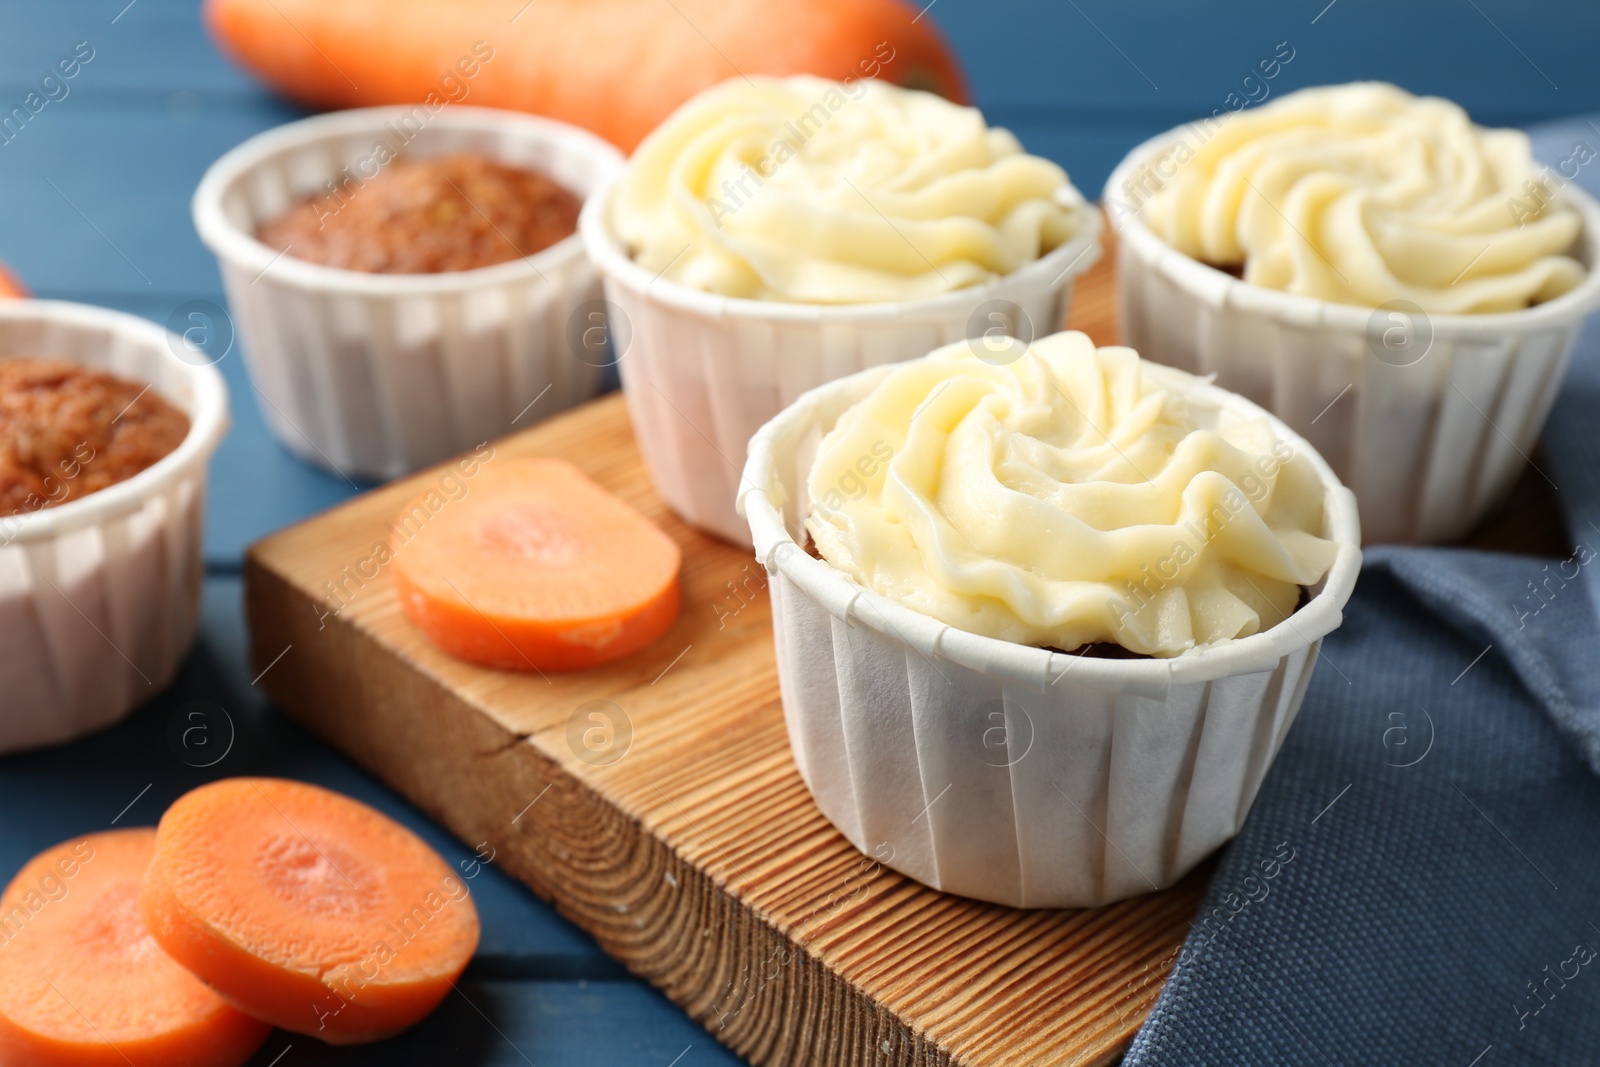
(774, 234)
(1062, 610)
(1396, 283)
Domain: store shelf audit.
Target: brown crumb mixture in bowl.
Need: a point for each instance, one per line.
(428, 216)
(67, 430)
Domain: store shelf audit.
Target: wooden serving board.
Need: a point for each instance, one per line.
(669, 820)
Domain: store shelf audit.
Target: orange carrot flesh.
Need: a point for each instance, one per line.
(83, 983)
(9, 285)
(537, 568)
(617, 67)
(307, 909)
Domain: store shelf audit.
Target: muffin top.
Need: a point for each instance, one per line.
(813, 191)
(67, 430)
(1063, 500)
(1363, 194)
(428, 216)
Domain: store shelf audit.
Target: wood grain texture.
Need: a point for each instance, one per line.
(696, 857)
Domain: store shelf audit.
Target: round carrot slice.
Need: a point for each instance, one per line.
(535, 567)
(307, 909)
(82, 982)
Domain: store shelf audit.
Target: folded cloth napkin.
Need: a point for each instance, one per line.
(1419, 879)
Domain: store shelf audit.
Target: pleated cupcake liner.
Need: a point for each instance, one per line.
(1008, 773)
(377, 375)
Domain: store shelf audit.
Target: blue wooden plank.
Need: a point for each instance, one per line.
(506, 1024)
(97, 196)
(1086, 80)
(146, 46)
(1168, 59)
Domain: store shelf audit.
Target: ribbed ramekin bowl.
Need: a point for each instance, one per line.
(1429, 431)
(377, 375)
(1008, 773)
(99, 596)
(702, 372)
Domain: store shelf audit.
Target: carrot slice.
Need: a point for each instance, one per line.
(82, 982)
(307, 909)
(535, 568)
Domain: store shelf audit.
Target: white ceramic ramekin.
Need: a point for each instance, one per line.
(1429, 431)
(1008, 773)
(99, 596)
(379, 374)
(702, 372)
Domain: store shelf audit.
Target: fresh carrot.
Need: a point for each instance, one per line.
(10, 286)
(537, 568)
(617, 67)
(307, 909)
(82, 982)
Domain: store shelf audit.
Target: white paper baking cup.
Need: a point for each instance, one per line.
(1009, 773)
(99, 596)
(1430, 438)
(702, 372)
(379, 374)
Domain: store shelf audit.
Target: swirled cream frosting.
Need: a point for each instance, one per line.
(1363, 194)
(813, 191)
(1063, 499)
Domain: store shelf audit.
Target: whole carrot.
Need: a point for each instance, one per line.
(617, 67)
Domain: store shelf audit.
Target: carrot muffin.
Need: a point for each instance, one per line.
(67, 430)
(1063, 500)
(1364, 194)
(428, 216)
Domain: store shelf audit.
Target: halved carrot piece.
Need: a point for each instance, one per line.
(82, 982)
(535, 568)
(307, 909)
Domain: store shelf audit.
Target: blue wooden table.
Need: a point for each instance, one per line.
(95, 191)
